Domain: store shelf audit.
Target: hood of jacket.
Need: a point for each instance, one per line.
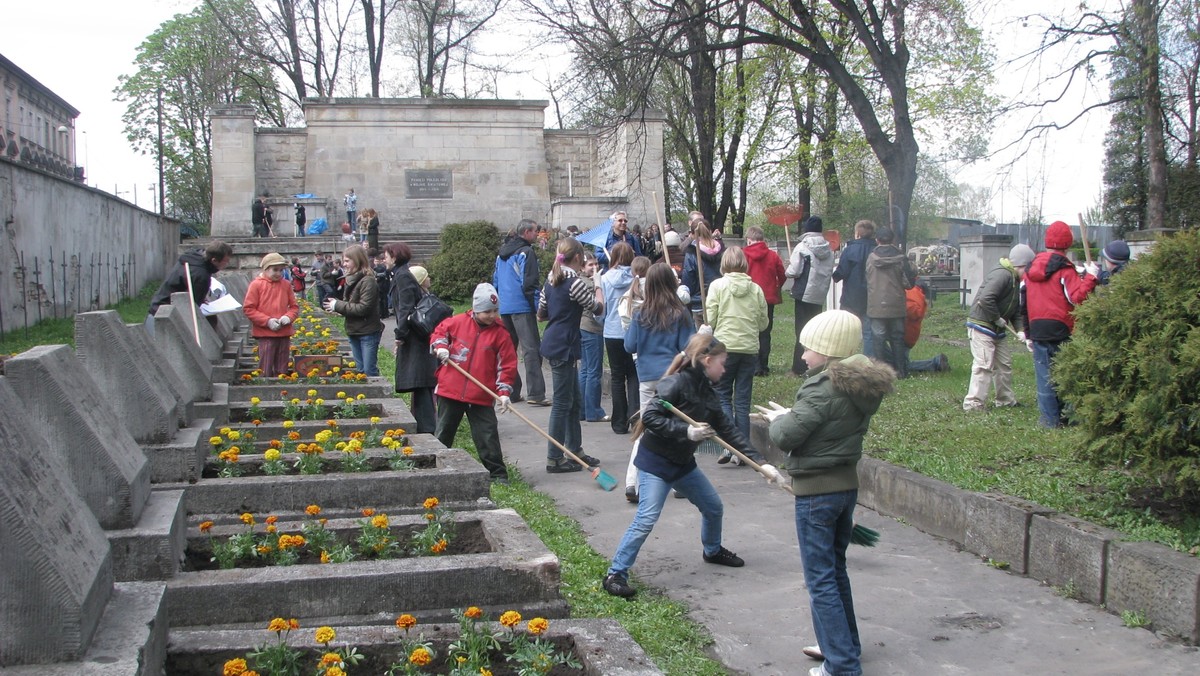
(194, 258)
(756, 252)
(709, 258)
(888, 256)
(864, 381)
(512, 245)
(1045, 264)
(740, 284)
(817, 245)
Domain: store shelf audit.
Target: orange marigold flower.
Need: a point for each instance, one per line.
(312, 510)
(278, 625)
(272, 519)
(430, 516)
(293, 623)
(331, 423)
(251, 672)
(205, 526)
(235, 667)
(248, 519)
(380, 521)
(420, 657)
(538, 625)
(510, 618)
(406, 622)
(271, 528)
(431, 503)
(438, 547)
(334, 671)
(474, 613)
(256, 422)
(324, 634)
(324, 556)
(407, 450)
(294, 435)
(368, 512)
(263, 549)
(330, 659)
(275, 443)
(323, 521)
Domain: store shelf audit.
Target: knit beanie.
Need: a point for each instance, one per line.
(419, 273)
(671, 238)
(1020, 256)
(485, 298)
(1117, 251)
(833, 333)
(813, 224)
(1058, 236)
(272, 259)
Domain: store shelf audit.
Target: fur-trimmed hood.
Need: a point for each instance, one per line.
(865, 381)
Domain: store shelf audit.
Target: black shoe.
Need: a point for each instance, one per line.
(631, 494)
(592, 462)
(761, 373)
(724, 557)
(620, 430)
(726, 456)
(617, 585)
(562, 466)
(538, 402)
(516, 399)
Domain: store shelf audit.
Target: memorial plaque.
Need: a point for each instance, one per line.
(425, 184)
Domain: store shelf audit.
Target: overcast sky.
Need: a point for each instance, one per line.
(80, 48)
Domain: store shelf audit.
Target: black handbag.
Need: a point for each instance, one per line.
(427, 314)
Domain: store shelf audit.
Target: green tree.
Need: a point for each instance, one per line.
(185, 68)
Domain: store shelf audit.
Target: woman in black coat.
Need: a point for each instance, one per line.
(414, 364)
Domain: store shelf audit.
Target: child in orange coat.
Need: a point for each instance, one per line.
(271, 308)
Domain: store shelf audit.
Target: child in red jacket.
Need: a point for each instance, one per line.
(271, 308)
(479, 344)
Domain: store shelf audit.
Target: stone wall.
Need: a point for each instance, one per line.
(110, 247)
(571, 156)
(279, 157)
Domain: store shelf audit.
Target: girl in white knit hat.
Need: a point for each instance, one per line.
(822, 435)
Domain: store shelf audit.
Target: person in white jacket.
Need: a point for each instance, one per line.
(810, 268)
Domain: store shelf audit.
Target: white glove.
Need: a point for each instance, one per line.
(503, 404)
(273, 324)
(442, 354)
(329, 302)
(700, 432)
(1021, 336)
(285, 320)
(684, 294)
(773, 412)
(772, 475)
(1029, 345)
(1092, 269)
(704, 330)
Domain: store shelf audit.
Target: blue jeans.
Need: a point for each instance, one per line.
(920, 365)
(1049, 405)
(591, 370)
(564, 411)
(868, 338)
(888, 342)
(823, 527)
(652, 493)
(365, 350)
(737, 387)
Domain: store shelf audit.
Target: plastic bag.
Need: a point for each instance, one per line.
(317, 227)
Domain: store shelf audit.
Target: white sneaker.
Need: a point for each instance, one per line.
(813, 652)
(818, 671)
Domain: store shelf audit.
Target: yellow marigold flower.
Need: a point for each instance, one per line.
(538, 626)
(323, 436)
(325, 635)
(387, 441)
(311, 393)
(375, 419)
(474, 613)
(248, 519)
(234, 435)
(510, 618)
(484, 672)
(256, 372)
(225, 430)
(407, 450)
(406, 622)
(312, 510)
(361, 396)
(320, 401)
(420, 657)
(460, 659)
(430, 516)
(431, 503)
(380, 521)
(368, 512)
(263, 549)
(337, 368)
(251, 672)
(399, 431)
(339, 446)
(324, 556)
(329, 659)
(335, 671)
(216, 441)
(255, 401)
(271, 455)
(341, 395)
(295, 402)
(235, 667)
(349, 400)
(205, 526)
(271, 528)
(277, 625)
(438, 547)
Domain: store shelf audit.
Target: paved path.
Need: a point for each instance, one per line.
(923, 606)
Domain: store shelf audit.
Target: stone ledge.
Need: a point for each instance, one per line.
(1070, 554)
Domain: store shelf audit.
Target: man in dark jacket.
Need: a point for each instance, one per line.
(889, 274)
(619, 233)
(203, 264)
(995, 311)
(517, 280)
(851, 271)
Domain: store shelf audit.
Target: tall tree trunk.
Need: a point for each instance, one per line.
(1146, 21)
(828, 135)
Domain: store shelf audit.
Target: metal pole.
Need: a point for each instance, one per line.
(162, 202)
(53, 291)
(37, 287)
(24, 296)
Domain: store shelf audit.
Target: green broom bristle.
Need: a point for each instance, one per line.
(864, 536)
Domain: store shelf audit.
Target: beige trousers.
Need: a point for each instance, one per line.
(991, 364)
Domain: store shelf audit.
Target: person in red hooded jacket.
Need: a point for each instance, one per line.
(766, 270)
(1053, 288)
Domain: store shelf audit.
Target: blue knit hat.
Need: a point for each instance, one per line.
(1117, 251)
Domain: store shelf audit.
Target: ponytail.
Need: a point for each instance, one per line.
(568, 249)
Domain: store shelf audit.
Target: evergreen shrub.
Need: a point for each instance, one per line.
(467, 257)
(1132, 368)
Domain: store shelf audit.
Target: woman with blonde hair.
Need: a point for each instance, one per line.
(360, 306)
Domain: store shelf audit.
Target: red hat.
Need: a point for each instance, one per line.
(1058, 236)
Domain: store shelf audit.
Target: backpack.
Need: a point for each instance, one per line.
(427, 314)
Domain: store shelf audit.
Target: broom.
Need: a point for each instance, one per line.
(606, 481)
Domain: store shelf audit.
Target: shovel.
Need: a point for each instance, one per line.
(606, 481)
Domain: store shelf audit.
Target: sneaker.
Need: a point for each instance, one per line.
(942, 364)
(538, 402)
(813, 652)
(592, 462)
(724, 557)
(726, 456)
(562, 466)
(618, 585)
(631, 494)
(818, 670)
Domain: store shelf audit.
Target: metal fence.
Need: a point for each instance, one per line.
(61, 283)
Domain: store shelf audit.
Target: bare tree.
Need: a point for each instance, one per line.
(439, 33)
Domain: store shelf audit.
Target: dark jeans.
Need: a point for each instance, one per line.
(624, 388)
(764, 341)
(424, 410)
(737, 387)
(591, 370)
(484, 431)
(824, 524)
(523, 330)
(888, 342)
(1049, 405)
(804, 313)
(565, 409)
